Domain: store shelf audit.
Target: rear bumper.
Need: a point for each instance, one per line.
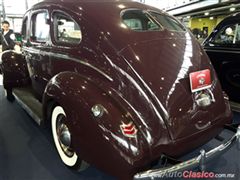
(198, 161)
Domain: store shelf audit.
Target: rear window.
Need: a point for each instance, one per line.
(138, 20)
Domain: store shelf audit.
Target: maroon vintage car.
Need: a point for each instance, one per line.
(121, 85)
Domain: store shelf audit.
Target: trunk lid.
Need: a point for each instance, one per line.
(164, 72)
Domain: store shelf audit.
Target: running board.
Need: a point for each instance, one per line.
(235, 106)
(29, 103)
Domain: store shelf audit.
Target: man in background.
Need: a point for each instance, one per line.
(7, 37)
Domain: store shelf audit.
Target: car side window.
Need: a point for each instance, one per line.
(39, 27)
(139, 20)
(66, 30)
(228, 35)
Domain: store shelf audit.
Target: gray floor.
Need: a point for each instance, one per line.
(27, 151)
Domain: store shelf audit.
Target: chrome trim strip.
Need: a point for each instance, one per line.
(65, 57)
(234, 106)
(198, 161)
(222, 51)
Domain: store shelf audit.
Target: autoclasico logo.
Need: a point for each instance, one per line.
(196, 175)
(203, 174)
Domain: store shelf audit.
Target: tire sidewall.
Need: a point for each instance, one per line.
(68, 161)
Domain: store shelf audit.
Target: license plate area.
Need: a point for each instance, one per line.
(200, 80)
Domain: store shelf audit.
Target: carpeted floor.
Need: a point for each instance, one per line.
(27, 151)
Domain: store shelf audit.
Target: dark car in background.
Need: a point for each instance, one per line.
(223, 49)
(121, 85)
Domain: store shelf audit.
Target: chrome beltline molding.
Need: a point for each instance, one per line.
(235, 106)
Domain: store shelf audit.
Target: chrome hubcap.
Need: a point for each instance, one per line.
(64, 136)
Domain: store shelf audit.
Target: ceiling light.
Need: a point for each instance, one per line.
(206, 13)
(211, 18)
(232, 9)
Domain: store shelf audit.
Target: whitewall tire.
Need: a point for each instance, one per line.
(69, 158)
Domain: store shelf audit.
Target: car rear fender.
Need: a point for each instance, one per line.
(98, 140)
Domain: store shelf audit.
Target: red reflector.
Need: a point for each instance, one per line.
(128, 130)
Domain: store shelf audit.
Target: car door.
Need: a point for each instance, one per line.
(36, 50)
(223, 50)
(66, 38)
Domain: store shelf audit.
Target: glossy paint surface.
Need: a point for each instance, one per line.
(14, 69)
(138, 77)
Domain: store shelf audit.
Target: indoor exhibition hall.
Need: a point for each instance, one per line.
(119, 89)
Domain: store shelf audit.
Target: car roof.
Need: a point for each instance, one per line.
(104, 15)
(231, 18)
(107, 9)
(96, 5)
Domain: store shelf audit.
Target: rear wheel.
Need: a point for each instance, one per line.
(62, 139)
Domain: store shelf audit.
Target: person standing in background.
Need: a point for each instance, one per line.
(7, 37)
